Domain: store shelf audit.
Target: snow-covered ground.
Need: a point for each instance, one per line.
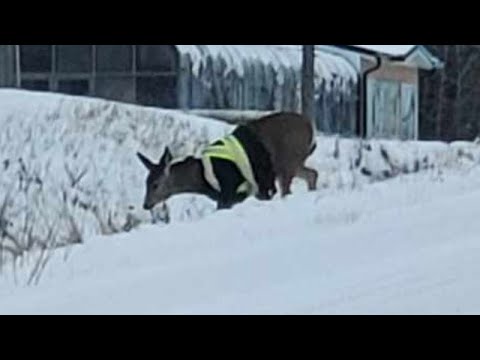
(405, 246)
(392, 228)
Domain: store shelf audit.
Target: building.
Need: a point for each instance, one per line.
(241, 77)
(389, 87)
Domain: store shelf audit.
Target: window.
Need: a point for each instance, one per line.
(384, 109)
(409, 112)
(143, 74)
(36, 58)
(74, 87)
(37, 85)
(74, 58)
(160, 58)
(114, 58)
(119, 88)
(157, 91)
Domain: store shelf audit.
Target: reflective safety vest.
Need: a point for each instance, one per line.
(229, 148)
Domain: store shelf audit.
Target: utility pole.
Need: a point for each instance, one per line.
(18, 71)
(308, 86)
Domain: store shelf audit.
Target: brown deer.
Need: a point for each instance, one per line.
(277, 147)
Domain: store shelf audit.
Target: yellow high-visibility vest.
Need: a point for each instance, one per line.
(229, 148)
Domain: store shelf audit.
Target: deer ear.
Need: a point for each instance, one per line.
(148, 164)
(166, 158)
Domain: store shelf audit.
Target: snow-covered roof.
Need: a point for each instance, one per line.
(394, 50)
(411, 55)
(279, 57)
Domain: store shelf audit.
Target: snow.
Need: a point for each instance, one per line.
(66, 158)
(70, 164)
(280, 57)
(408, 246)
(392, 228)
(395, 50)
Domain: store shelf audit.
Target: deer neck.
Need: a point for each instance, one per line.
(189, 178)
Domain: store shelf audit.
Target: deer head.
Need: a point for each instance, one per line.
(160, 185)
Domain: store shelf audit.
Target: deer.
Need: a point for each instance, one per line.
(277, 145)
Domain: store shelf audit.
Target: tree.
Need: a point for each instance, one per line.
(308, 86)
(450, 98)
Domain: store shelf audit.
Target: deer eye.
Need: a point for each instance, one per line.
(155, 186)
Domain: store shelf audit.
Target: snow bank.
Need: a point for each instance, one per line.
(350, 163)
(69, 169)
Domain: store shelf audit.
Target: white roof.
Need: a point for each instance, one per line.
(394, 50)
(413, 55)
(279, 57)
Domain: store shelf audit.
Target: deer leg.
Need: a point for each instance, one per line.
(228, 198)
(286, 183)
(229, 178)
(310, 176)
(224, 205)
(228, 202)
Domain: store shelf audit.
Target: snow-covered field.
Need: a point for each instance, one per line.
(392, 228)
